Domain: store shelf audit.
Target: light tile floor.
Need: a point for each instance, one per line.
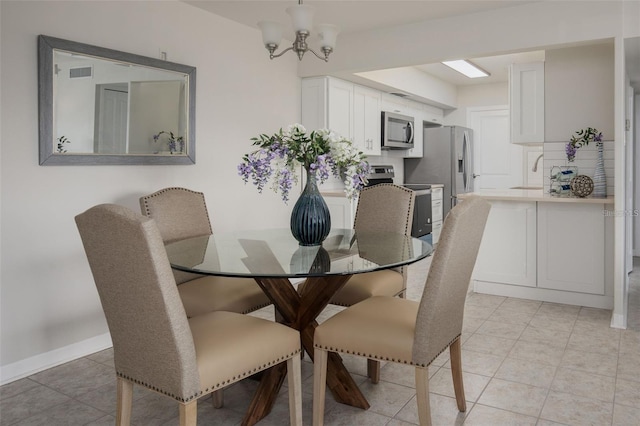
(524, 362)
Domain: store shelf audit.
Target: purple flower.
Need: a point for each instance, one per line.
(570, 151)
(321, 153)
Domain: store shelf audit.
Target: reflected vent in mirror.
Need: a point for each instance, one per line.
(81, 72)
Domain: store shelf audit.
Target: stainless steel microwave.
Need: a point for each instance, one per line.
(397, 131)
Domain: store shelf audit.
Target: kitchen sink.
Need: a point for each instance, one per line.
(526, 187)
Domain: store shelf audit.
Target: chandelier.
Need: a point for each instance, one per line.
(302, 19)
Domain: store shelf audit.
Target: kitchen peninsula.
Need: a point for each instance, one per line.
(542, 247)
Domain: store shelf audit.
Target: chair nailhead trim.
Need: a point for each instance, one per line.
(255, 308)
(173, 188)
(250, 373)
(371, 356)
(212, 388)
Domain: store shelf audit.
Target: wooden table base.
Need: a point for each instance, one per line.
(299, 311)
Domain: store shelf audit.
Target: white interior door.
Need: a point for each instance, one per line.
(497, 161)
(111, 125)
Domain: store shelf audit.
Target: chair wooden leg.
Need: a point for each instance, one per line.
(373, 370)
(319, 385)
(294, 378)
(422, 396)
(125, 398)
(456, 372)
(217, 397)
(189, 413)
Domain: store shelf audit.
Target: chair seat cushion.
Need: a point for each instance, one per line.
(211, 293)
(363, 286)
(230, 346)
(384, 327)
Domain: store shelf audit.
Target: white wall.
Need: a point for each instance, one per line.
(49, 309)
(478, 95)
(579, 93)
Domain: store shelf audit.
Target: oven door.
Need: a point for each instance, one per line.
(422, 223)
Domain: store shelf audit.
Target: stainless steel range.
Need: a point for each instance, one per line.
(422, 208)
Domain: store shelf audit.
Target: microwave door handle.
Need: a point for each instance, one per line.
(410, 129)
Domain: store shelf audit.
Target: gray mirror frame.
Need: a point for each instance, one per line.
(48, 156)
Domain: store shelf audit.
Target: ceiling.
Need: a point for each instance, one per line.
(348, 16)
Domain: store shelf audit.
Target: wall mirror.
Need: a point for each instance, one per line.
(102, 106)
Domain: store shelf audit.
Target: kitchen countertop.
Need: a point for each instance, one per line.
(341, 193)
(537, 195)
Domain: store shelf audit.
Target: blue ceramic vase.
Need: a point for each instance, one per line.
(310, 218)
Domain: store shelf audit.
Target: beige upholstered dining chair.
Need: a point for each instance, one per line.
(409, 332)
(387, 208)
(181, 213)
(155, 345)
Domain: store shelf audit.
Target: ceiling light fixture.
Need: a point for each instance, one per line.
(467, 68)
(302, 18)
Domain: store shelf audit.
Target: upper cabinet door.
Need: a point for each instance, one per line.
(340, 112)
(526, 93)
(366, 120)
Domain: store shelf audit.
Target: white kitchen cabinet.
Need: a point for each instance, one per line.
(556, 250)
(415, 110)
(571, 253)
(432, 116)
(436, 214)
(526, 98)
(353, 111)
(393, 103)
(366, 120)
(508, 250)
(327, 103)
(341, 209)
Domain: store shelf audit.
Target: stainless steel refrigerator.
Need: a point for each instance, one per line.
(447, 159)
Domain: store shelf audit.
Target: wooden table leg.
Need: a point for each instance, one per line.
(266, 394)
(299, 311)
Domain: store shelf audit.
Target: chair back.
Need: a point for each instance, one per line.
(179, 213)
(439, 320)
(385, 207)
(152, 341)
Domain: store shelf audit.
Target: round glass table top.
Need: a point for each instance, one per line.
(275, 253)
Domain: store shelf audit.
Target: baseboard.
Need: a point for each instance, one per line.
(26, 367)
(618, 321)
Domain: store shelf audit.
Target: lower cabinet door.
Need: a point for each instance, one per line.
(571, 247)
(508, 250)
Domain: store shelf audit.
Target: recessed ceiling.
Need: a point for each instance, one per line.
(497, 66)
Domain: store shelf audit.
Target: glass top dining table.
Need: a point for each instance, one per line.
(275, 253)
(274, 259)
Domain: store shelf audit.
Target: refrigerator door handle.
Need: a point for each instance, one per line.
(464, 162)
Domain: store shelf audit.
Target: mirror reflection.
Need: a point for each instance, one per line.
(105, 107)
(100, 106)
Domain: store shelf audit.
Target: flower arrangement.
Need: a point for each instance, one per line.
(580, 139)
(321, 152)
(61, 141)
(175, 143)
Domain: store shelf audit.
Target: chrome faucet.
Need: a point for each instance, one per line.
(535, 164)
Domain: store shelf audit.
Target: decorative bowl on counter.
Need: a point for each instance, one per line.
(581, 185)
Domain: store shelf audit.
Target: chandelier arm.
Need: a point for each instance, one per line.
(324, 58)
(281, 53)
